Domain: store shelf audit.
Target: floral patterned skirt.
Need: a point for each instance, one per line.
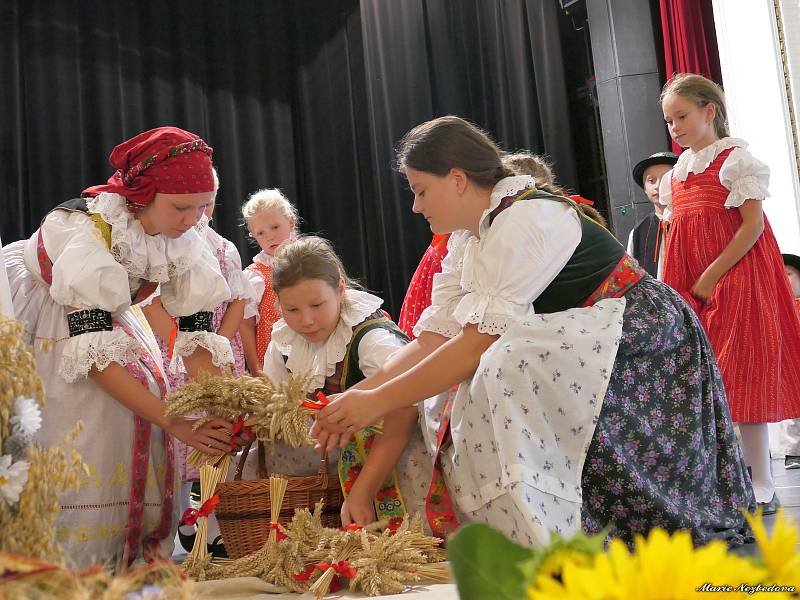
(664, 451)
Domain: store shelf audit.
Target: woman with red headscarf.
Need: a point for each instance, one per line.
(77, 281)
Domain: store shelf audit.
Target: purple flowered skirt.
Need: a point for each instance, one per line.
(664, 452)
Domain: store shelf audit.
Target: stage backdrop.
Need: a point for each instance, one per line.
(307, 96)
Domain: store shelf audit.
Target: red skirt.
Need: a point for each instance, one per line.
(750, 319)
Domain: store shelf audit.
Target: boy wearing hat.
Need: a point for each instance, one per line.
(789, 436)
(791, 263)
(646, 241)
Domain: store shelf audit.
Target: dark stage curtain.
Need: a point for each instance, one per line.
(303, 95)
(498, 64)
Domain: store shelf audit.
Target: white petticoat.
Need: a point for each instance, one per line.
(92, 524)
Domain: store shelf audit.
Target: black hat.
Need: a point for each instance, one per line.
(791, 260)
(659, 158)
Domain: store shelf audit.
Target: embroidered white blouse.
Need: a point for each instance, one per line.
(318, 360)
(258, 284)
(745, 176)
(493, 278)
(237, 280)
(86, 275)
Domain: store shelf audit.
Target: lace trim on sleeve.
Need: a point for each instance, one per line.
(492, 314)
(97, 349)
(186, 342)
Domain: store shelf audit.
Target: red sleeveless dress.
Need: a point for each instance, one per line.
(418, 296)
(268, 313)
(750, 318)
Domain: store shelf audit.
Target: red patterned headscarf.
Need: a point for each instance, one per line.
(165, 159)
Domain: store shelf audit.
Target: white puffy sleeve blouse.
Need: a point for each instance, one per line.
(492, 279)
(87, 274)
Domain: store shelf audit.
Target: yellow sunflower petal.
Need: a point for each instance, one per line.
(779, 551)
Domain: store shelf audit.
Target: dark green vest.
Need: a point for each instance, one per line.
(351, 374)
(590, 264)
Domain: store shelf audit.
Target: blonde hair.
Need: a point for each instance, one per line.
(528, 163)
(215, 176)
(308, 257)
(268, 199)
(535, 165)
(702, 92)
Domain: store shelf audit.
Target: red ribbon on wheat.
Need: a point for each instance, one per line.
(279, 535)
(191, 515)
(342, 568)
(322, 402)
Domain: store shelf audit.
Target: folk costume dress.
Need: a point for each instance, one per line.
(265, 305)
(750, 318)
(359, 346)
(597, 404)
(646, 244)
(418, 295)
(230, 265)
(787, 437)
(93, 255)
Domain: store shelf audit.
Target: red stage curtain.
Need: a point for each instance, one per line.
(690, 40)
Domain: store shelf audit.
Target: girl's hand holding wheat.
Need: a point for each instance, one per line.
(212, 438)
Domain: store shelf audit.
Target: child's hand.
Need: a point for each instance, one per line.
(360, 511)
(351, 411)
(241, 439)
(327, 441)
(704, 286)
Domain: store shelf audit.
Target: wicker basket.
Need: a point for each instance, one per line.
(243, 511)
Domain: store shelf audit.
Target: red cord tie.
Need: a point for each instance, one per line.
(580, 200)
(279, 534)
(191, 515)
(239, 427)
(172, 335)
(661, 238)
(322, 402)
(342, 568)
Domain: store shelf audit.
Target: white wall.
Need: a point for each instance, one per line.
(790, 11)
(752, 74)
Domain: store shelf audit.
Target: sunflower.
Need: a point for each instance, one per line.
(779, 552)
(660, 567)
(549, 562)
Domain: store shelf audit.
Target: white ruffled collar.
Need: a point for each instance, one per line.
(697, 162)
(318, 360)
(151, 257)
(508, 186)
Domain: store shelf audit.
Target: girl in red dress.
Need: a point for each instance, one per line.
(271, 220)
(722, 256)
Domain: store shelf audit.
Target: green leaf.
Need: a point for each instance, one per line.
(580, 542)
(485, 564)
